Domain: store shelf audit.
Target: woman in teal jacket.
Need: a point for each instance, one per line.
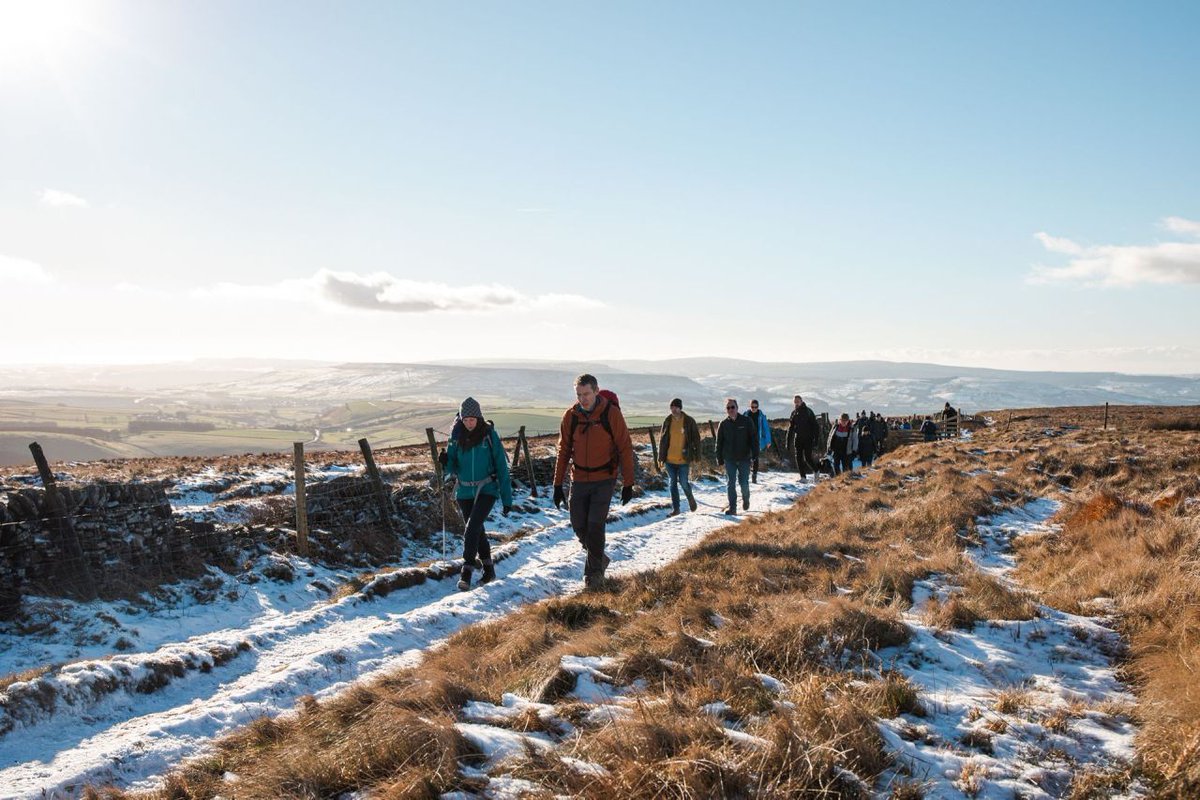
(477, 458)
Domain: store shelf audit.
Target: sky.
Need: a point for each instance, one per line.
(1011, 185)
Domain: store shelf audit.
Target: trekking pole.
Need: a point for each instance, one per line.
(442, 500)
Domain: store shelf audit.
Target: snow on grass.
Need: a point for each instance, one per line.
(303, 644)
(1012, 707)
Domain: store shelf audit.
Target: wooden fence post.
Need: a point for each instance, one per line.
(62, 524)
(517, 449)
(712, 429)
(433, 453)
(524, 442)
(301, 499)
(653, 448)
(381, 497)
(1106, 416)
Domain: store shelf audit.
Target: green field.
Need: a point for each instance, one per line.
(102, 427)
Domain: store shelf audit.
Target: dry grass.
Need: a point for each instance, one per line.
(1130, 536)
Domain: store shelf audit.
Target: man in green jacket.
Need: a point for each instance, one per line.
(680, 437)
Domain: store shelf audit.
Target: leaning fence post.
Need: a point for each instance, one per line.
(653, 447)
(381, 497)
(528, 463)
(62, 523)
(517, 449)
(301, 500)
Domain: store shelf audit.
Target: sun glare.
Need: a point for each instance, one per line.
(38, 29)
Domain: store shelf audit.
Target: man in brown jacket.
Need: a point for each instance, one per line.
(594, 439)
(680, 443)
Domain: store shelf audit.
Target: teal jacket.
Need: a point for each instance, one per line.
(486, 461)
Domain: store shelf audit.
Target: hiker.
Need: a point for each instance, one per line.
(843, 441)
(879, 430)
(594, 440)
(477, 458)
(866, 444)
(763, 429)
(680, 437)
(802, 435)
(929, 429)
(737, 446)
(949, 412)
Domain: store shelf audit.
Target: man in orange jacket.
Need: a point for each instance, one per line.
(594, 439)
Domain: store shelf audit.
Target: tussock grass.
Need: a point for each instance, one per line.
(1130, 538)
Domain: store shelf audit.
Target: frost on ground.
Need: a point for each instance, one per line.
(1013, 708)
(197, 670)
(1010, 709)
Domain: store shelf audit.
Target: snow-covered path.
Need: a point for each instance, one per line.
(128, 738)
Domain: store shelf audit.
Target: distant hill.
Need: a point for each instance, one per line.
(644, 386)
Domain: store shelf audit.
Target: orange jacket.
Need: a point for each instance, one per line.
(593, 453)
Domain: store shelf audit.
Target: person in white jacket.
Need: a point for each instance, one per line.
(843, 444)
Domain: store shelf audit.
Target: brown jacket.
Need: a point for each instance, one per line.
(691, 439)
(593, 453)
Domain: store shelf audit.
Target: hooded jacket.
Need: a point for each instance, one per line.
(486, 461)
(762, 426)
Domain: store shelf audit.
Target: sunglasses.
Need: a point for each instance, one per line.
(730, 407)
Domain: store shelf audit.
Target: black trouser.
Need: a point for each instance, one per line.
(842, 461)
(589, 512)
(805, 460)
(866, 456)
(475, 513)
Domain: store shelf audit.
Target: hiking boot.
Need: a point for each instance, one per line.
(489, 572)
(464, 582)
(730, 512)
(674, 513)
(746, 504)
(691, 504)
(593, 583)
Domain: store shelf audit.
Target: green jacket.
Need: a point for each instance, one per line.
(486, 462)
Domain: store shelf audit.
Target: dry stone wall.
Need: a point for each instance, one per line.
(128, 535)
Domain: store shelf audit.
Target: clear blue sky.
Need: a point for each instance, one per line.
(780, 181)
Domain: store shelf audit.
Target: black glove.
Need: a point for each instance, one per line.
(443, 458)
(559, 497)
(720, 462)
(754, 463)
(626, 494)
(507, 510)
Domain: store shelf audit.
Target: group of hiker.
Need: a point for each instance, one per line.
(594, 443)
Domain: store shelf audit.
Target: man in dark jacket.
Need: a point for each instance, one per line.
(802, 435)
(680, 444)
(737, 446)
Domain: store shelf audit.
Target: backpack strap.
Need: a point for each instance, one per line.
(604, 423)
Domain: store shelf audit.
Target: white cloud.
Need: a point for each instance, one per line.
(1056, 245)
(22, 270)
(1187, 227)
(380, 291)
(1124, 265)
(55, 198)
